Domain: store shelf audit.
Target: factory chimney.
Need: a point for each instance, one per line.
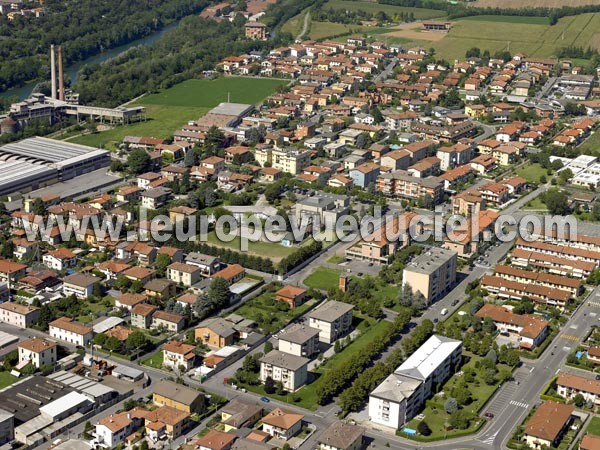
(52, 72)
(61, 82)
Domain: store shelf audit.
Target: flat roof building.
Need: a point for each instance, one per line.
(431, 273)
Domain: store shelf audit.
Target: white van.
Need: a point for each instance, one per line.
(444, 312)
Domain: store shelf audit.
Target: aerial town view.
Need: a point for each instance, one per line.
(299, 224)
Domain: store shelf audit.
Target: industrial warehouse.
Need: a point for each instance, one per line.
(36, 162)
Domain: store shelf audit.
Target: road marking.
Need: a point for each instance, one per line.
(594, 304)
(593, 314)
(574, 327)
(519, 404)
(557, 370)
(570, 337)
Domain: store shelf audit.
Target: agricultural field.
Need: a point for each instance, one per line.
(294, 25)
(531, 36)
(170, 109)
(419, 13)
(517, 4)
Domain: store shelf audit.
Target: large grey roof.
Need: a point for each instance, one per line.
(431, 260)
(177, 392)
(299, 334)
(422, 363)
(396, 388)
(330, 311)
(280, 359)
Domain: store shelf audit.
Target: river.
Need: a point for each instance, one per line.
(25, 91)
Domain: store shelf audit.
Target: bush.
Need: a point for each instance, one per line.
(423, 428)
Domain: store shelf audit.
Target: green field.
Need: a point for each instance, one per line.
(594, 426)
(419, 13)
(6, 379)
(170, 109)
(532, 172)
(272, 250)
(323, 278)
(155, 360)
(294, 25)
(591, 146)
(534, 37)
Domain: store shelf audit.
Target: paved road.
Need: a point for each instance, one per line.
(385, 73)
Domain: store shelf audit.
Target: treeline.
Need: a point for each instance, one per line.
(354, 397)
(279, 13)
(83, 28)
(577, 52)
(196, 45)
(299, 256)
(336, 380)
(356, 17)
(458, 10)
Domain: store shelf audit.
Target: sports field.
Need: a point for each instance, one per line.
(170, 109)
(531, 36)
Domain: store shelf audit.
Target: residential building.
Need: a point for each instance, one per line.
(166, 423)
(113, 429)
(589, 442)
(208, 265)
(333, 319)
(292, 295)
(290, 370)
(79, 285)
(183, 274)
(432, 273)
(232, 273)
(516, 290)
(215, 440)
(154, 198)
(256, 30)
(239, 414)
(364, 175)
(300, 341)
(530, 330)
(341, 436)
(22, 316)
(60, 259)
(281, 424)
(290, 160)
(548, 424)
(569, 385)
(168, 321)
(401, 395)
(177, 354)
(178, 396)
(215, 332)
(141, 315)
(322, 207)
(37, 351)
(129, 301)
(67, 330)
(401, 184)
(12, 270)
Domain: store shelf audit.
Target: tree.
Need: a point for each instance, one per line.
(218, 293)
(423, 428)
(459, 420)
(100, 339)
(268, 347)
(557, 201)
(161, 262)
(269, 385)
(138, 161)
(250, 364)
(579, 400)
(38, 208)
(451, 405)
(136, 287)
(136, 340)
(112, 344)
(122, 283)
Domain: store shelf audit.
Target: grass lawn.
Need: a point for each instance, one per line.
(419, 13)
(591, 146)
(170, 109)
(294, 25)
(323, 278)
(155, 360)
(272, 250)
(6, 379)
(271, 315)
(436, 417)
(335, 259)
(594, 426)
(535, 38)
(536, 204)
(532, 172)
(323, 30)
(306, 397)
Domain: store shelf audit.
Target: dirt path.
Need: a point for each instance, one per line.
(304, 26)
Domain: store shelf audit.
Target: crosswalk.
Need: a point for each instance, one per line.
(490, 440)
(519, 404)
(569, 337)
(594, 304)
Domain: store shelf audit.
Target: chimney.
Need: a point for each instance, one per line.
(52, 72)
(61, 83)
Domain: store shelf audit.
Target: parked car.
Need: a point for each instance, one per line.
(489, 415)
(264, 399)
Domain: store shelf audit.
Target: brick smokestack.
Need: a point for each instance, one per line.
(52, 72)
(61, 82)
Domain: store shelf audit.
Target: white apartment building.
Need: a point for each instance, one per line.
(291, 370)
(183, 274)
(568, 386)
(79, 285)
(300, 341)
(400, 396)
(39, 352)
(113, 429)
(333, 320)
(67, 330)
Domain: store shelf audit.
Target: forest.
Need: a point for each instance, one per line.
(83, 28)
